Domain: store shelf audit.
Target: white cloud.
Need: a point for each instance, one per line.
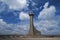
(46, 5)
(3, 7)
(16, 4)
(49, 23)
(23, 16)
(6, 29)
(22, 2)
(47, 13)
(48, 27)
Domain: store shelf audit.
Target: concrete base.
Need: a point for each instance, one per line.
(29, 38)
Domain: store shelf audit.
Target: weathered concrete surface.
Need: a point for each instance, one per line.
(17, 38)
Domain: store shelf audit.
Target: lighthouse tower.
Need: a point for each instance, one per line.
(31, 31)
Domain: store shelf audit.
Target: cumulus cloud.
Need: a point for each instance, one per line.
(3, 7)
(47, 13)
(16, 4)
(23, 16)
(48, 27)
(12, 29)
(48, 22)
(46, 5)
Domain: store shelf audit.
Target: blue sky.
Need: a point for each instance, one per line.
(14, 16)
